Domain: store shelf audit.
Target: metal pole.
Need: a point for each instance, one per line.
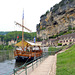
(36, 63)
(40, 60)
(14, 71)
(32, 66)
(26, 70)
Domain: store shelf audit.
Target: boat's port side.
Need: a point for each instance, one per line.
(22, 58)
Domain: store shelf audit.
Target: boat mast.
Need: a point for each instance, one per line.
(22, 29)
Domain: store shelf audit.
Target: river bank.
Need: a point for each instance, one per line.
(7, 62)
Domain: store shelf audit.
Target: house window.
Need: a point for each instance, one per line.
(66, 40)
(60, 41)
(51, 43)
(70, 40)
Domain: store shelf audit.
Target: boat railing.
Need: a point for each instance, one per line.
(30, 65)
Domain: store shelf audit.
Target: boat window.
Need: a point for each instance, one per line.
(36, 48)
(19, 48)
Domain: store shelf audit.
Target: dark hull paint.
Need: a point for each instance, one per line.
(23, 59)
(26, 59)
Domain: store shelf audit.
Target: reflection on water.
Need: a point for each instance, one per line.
(18, 64)
(6, 55)
(7, 62)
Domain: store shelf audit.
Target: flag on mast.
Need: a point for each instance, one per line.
(17, 37)
(34, 39)
(23, 15)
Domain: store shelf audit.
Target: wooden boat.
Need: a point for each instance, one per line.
(26, 52)
(30, 52)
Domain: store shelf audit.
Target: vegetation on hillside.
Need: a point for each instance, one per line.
(6, 47)
(66, 62)
(70, 30)
(3, 33)
(13, 36)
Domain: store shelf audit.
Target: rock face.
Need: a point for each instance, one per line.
(57, 21)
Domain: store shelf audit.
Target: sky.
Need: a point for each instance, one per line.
(12, 10)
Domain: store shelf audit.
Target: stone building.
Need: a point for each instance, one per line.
(67, 39)
(63, 39)
(53, 42)
(12, 42)
(50, 42)
(44, 43)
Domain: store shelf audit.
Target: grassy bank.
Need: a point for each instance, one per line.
(53, 50)
(66, 62)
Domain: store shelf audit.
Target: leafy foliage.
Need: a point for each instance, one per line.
(73, 28)
(3, 33)
(13, 36)
(59, 44)
(43, 28)
(8, 47)
(56, 6)
(61, 33)
(39, 39)
(69, 27)
(2, 47)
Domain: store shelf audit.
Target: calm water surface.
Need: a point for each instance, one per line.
(7, 62)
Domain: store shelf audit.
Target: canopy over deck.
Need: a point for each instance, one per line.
(26, 43)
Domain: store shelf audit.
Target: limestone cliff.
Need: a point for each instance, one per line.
(60, 18)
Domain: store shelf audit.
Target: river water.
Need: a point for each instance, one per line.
(7, 62)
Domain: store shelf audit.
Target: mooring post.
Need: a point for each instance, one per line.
(36, 63)
(25, 69)
(40, 60)
(14, 71)
(32, 66)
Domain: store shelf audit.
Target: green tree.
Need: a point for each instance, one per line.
(69, 27)
(10, 47)
(13, 36)
(59, 44)
(1, 47)
(5, 47)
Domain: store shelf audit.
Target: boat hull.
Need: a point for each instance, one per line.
(23, 58)
(27, 56)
